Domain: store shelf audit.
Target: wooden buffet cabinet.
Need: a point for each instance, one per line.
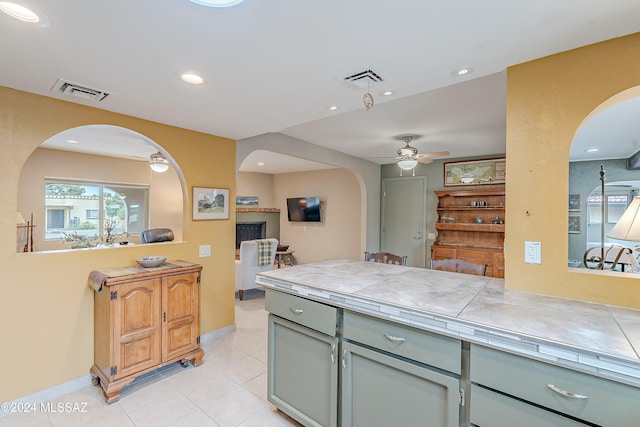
(470, 227)
(145, 319)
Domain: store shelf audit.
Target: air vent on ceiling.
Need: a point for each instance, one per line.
(364, 78)
(80, 91)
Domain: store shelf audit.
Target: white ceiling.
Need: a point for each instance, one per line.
(276, 66)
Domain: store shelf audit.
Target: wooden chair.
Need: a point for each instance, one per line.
(385, 257)
(458, 266)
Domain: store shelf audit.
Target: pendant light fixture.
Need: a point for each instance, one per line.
(159, 163)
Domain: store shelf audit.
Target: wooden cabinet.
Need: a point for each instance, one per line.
(470, 227)
(144, 320)
(302, 374)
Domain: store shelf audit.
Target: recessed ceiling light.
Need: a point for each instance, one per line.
(462, 71)
(192, 78)
(333, 107)
(260, 163)
(387, 92)
(217, 3)
(20, 12)
(72, 141)
(592, 150)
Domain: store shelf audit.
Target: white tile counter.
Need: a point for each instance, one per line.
(594, 338)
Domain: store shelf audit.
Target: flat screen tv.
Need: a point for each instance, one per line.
(304, 209)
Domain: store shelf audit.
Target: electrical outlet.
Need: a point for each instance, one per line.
(533, 252)
(205, 251)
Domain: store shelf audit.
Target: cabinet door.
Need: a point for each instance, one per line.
(181, 315)
(302, 374)
(136, 327)
(380, 390)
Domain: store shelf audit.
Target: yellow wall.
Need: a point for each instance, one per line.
(547, 100)
(46, 308)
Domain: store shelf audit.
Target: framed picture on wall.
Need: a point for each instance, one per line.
(575, 224)
(246, 202)
(475, 172)
(575, 202)
(210, 203)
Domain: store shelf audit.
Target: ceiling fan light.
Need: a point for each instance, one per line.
(407, 164)
(159, 163)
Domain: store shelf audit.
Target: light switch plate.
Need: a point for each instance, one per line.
(533, 252)
(205, 251)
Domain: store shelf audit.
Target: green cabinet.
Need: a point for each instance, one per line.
(382, 390)
(302, 374)
(568, 397)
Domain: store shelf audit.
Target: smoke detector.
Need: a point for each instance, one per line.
(78, 90)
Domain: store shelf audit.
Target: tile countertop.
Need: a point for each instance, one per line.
(595, 338)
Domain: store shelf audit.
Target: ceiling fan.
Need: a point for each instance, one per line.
(408, 157)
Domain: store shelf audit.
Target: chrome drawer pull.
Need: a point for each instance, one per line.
(566, 393)
(333, 354)
(394, 339)
(296, 311)
(344, 359)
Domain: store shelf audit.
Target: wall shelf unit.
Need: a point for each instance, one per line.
(470, 227)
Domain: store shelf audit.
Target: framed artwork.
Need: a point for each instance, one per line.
(575, 224)
(246, 201)
(475, 172)
(210, 203)
(575, 201)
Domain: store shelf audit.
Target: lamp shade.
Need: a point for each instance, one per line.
(628, 227)
(407, 164)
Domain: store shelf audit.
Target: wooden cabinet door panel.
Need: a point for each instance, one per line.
(181, 316)
(136, 327)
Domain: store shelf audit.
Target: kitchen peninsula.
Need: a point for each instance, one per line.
(404, 336)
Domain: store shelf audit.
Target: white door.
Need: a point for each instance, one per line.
(404, 218)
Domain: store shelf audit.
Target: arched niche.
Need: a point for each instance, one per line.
(116, 159)
(614, 130)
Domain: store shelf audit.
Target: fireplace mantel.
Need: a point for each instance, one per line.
(261, 210)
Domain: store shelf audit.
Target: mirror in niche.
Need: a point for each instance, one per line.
(608, 141)
(92, 186)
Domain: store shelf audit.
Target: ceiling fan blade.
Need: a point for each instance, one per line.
(424, 161)
(434, 154)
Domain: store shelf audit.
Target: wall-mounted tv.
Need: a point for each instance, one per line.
(304, 209)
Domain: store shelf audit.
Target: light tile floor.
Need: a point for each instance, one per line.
(228, 389)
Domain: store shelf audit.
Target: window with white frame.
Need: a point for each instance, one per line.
(94, 212)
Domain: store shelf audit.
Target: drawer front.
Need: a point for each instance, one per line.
(422, 346)
(442, 253)
(490, 409)
(305, 312)
(471, 254)
(598, 400)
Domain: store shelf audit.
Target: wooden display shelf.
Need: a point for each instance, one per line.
(487, 228)
(461, 237)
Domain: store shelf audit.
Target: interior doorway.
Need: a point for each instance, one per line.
(404, 218)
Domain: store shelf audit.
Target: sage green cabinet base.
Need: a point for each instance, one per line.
(491, 409)
(302, 374)
(381, 390)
